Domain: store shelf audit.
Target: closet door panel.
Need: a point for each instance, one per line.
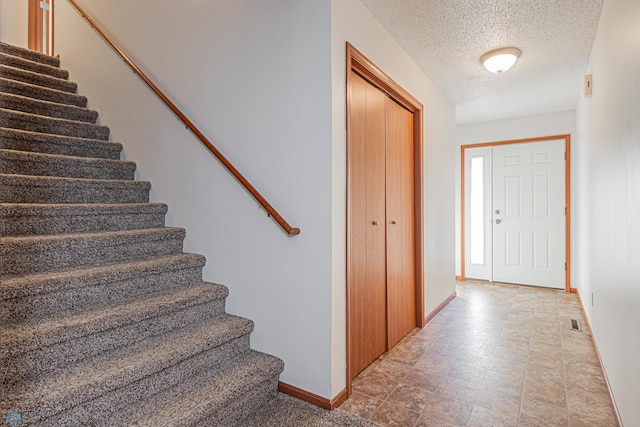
(366, 176)
(401, 309)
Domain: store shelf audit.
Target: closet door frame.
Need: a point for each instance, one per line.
(362, 66)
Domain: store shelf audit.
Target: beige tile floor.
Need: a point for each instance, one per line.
(497, 355)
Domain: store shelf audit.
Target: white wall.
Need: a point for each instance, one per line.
(352, 22)
(559, 123)
(608, 201)
(14, 16)
(255, 77)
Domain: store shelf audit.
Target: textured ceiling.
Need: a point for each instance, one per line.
(447, 37)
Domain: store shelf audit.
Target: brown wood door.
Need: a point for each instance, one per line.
(401, 291)
(368, 264)
(382, 269)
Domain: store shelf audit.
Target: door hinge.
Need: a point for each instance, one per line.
(565, 155)
(565, 266)
(565, 211)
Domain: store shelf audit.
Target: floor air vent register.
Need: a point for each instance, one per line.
(575, 325)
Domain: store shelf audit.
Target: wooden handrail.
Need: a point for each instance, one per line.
(291, 231)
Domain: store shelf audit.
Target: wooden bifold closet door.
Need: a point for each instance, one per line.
(381, 192)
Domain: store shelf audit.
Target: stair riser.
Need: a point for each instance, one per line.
(11, 139)
(238, 409)
(40, 124)
(29, 54)
(35, 67)
(73, 193)
(37, 79)
(77, 299)
(41, 93)
(47, 359)
(93, 412)
(67, 224)
(60, 111)
(51, 255)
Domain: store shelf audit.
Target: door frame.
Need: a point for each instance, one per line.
(361, 65)
(34, 27)
(567, 178)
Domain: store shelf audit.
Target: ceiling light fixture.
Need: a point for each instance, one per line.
(500, 60)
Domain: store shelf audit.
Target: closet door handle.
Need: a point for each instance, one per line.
(375, 222)
(393, 221)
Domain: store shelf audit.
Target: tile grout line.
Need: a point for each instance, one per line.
(475, 402)
(564, 373)
(526, 371)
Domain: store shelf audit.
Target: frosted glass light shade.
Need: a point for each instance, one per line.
(500, 60)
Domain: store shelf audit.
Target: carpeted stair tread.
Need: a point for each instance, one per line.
(287, 411)
(284, 411)
(43, 361)
(109, 372)
(25, 104)
(42, 93)
(43, 189)
(24, 219)
(37, 79)
(104, 410)
(22, 338)
(43, 124)
(191, 402)
(34, 142)
(22, 255)
(29, 54)
(58, 281)
(29, 65)
(42, 296)
(55, 165)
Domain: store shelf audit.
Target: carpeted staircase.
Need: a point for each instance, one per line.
(104, 320)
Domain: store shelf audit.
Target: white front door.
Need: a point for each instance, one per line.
(529, 214)
(515, 213)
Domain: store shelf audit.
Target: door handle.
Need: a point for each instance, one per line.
(375, 222)
(498, 221)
